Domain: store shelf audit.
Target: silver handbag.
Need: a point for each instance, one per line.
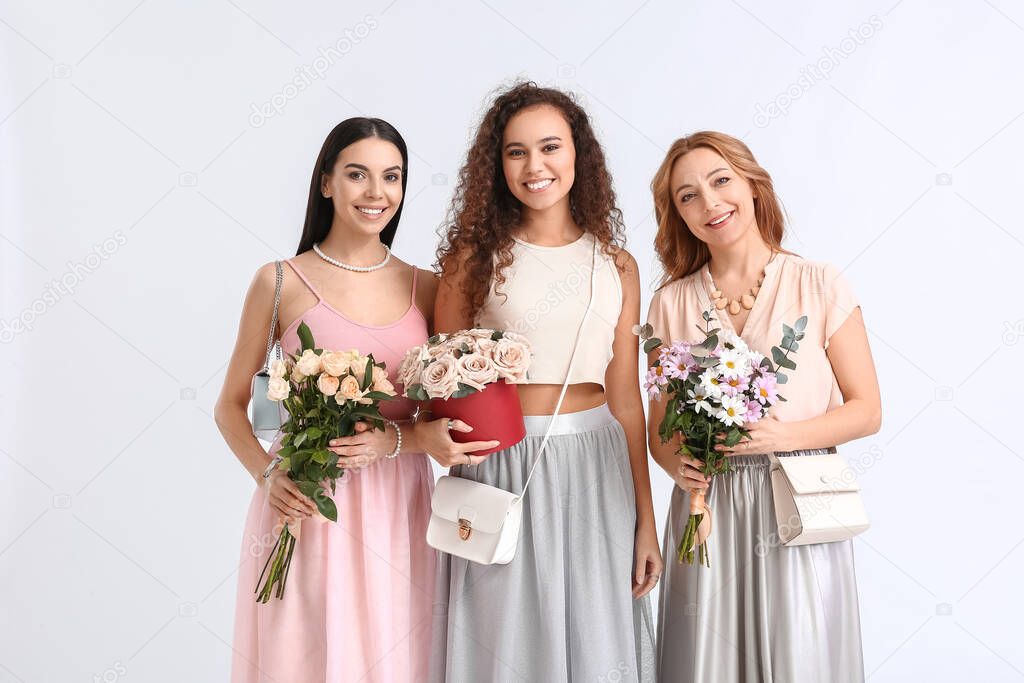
(267, 416)
(817, 499)
(479, 522)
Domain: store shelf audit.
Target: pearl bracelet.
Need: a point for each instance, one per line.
(398, 446)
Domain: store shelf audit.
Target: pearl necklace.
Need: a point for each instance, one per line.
(358, 269)
(746, 301)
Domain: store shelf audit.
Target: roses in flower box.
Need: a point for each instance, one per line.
(471, 375)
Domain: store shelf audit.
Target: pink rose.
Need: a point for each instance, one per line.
(409, 371)
(358, 367)
(440, 378)
(381, 381)
(511, 359)
(349, 390)
(476, 370)
(439, 350)
(485, 347)
(327, 384)
(335, 362)
(278, 389)
(309, 363)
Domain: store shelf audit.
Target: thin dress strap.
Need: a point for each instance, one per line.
(302, 277)
(415, 272)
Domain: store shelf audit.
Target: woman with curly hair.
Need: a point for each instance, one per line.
(534, 235)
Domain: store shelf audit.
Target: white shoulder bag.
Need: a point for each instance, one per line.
(479, 522)
(817, 499)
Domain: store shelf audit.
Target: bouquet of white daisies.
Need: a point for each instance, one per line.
(714, 389)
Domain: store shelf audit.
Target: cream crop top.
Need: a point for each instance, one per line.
(546, 294)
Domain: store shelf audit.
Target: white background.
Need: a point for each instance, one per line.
(122, 508)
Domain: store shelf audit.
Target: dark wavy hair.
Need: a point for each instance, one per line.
(484, 212)
(320, 209)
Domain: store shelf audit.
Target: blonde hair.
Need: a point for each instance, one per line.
(679, 250)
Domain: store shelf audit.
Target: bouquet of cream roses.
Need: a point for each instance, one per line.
(714, 389)
(325, 394)
(471, 375)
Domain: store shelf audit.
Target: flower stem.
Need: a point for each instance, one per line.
(279, 562)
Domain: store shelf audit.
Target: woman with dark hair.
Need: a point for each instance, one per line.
(359, 590)
(534, 241)
(762, 611)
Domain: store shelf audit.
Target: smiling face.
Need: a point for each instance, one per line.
(366, 185)
(715, 202)
(538, 157)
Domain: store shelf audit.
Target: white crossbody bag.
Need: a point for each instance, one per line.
(817, 499)
(479, 522)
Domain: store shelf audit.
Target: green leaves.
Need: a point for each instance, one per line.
(305, 336)
(646, 334)
(780, 358)
(417, 393)
(791, 337)
(463, 391)
(702, 351)
(367, 375)
(323, 502)
(326, 507)
(347, 425)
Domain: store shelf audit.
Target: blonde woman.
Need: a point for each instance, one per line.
(761, 612)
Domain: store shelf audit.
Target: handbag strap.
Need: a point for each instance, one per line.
(773, 459)
(279, 278)
(568, 374)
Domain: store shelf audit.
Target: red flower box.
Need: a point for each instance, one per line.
(494, 414)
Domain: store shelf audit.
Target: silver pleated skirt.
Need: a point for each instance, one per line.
(562, 609)
(762, 612)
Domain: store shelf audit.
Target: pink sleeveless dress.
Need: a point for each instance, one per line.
(358, 600)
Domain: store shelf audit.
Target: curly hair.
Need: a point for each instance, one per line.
(484, 212)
